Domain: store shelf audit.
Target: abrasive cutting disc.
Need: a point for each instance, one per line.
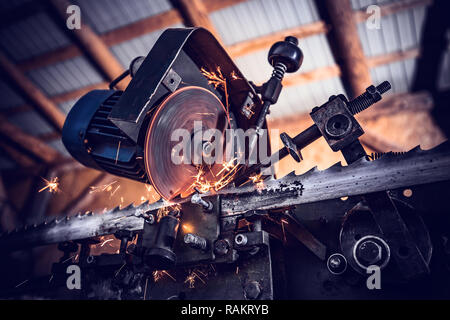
(179, 111)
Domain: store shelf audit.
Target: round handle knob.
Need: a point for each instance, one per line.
(286, 52)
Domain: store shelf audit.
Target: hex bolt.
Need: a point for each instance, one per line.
(369, 252)
(197, 199)
(252, 290)
(240, 240)
(195, 241)
(221, 247)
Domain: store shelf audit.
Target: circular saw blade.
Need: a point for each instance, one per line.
(179, 111)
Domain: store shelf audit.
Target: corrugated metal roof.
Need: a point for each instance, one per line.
(9, 98)
(59, 146)
(392, 36)
(139, 46)
(10, 4)
(67, 105)
(65, 76)
(31, 122)
(38, 34)
(107, 15)
(256, 18)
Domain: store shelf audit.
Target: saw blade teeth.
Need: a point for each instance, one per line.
(416, 149)
(309, 172)
(291, 174)
(116, 209)
(336, 167)
(360, 162)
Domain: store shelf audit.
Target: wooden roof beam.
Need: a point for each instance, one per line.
(347, 47)
(92, 44)
(195, 14)
(29, 143)
(39, 101)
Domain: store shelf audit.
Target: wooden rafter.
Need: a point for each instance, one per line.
(195, 14)
(332, 71)
(33, 145)
(19, 157)
(39, 101)
(252, 45)
(346, 46)
(172, 17)
(92, 45)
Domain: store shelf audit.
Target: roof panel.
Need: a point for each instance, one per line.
(139, 46)
(107, 15)
(9, 98)
(31, 37)
(31, 122)
(65, 76)
(59, 146)
(256, 18)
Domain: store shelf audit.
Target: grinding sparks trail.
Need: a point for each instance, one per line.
(217, 79)
(105, 188)
(52, 185)
(164, 211)
(257, 180)
(158, 274)
(190, 279)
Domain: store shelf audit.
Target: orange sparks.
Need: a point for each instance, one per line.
(105, 242)
(187, 228)
(52, 185)
(105, 188)
(217, 80)
(158, 274)
(234, 76)
(190, 279)
(164, 211)
(257, 180)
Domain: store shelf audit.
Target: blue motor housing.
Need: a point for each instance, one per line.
(96, 142)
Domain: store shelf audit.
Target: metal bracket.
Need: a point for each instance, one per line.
(172, 80)
(336, 123)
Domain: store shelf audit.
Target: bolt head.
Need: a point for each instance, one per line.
(252, 290)
(369, 252)
(221, 247)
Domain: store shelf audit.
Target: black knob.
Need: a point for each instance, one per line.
(286, 52)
